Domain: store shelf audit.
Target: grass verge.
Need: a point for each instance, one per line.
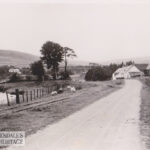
(39, 117)
(145, 111)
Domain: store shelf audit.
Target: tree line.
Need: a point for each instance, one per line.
(52, 54)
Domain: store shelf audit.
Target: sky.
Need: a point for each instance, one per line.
(97, 30)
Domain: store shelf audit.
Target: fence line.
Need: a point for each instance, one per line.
(25, 96)
(30, 95)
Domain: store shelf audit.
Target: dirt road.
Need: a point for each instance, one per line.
(112, 123)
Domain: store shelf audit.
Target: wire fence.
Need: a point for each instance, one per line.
(21, 96)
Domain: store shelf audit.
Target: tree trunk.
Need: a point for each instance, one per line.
(54, 72)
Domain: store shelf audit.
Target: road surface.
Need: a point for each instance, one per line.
(111, 123)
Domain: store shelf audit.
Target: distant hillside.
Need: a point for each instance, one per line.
(20, 59)
(16, 58)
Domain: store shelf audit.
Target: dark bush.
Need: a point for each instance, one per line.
(65, 76)
(102, 73)
(37, 69)
(4, 72)
(28, 78)
(14, 78)
(98, 74)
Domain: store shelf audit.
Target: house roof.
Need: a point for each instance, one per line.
(123, 69)
(131, 68)
(141, 67)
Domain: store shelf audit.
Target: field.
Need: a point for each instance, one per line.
(32, 120)
(145, 111)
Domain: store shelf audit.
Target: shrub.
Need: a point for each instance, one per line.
(14, 78)
(65, 76)
(98, 74)
(28, 78)
(4, 73)
(37, 69)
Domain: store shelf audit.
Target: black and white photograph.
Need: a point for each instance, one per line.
(74, 75)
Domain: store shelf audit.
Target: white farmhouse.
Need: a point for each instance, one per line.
(15, 70)
(127, 72)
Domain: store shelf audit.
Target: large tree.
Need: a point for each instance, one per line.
(68, 52)
(37, 69)
(52, 55)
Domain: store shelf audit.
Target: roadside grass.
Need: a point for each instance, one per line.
(145, 111)
(39, 117)
(33, 84)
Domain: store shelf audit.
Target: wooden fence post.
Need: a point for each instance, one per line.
(31, 95)
(37, 93)
(23, 97)
(34, 94)
(8, 103)
(27, 96)
(17, 96)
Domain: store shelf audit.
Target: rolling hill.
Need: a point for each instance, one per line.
(15, 58)
(20, 59)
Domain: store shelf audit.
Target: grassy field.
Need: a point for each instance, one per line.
(39, 117)
(145, 111)
(32, 85)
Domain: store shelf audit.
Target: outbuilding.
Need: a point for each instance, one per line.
(127, 72)
(14, 70)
